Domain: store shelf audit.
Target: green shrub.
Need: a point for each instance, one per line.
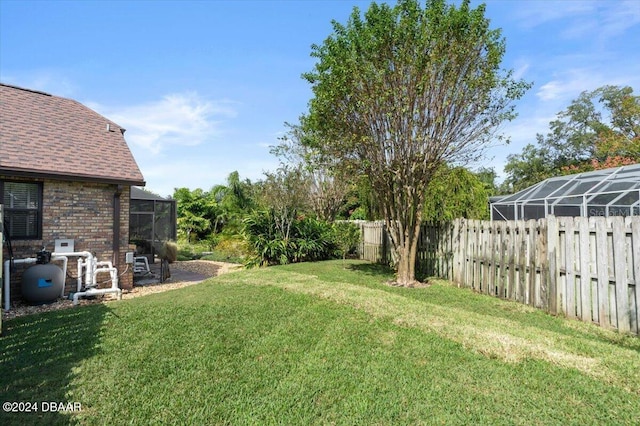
(191, 251)
(308, 239)
(230, 248)
(347, 237)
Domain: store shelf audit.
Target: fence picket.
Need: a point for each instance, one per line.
(635, 256)
(542, 256)
(531, 267)
(553, 236)
(584, 311)
(620, 263)
(502, 249)
(602, 271)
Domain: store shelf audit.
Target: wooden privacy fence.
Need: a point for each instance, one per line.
(586, 268)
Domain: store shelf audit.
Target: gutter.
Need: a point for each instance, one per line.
(116, 225)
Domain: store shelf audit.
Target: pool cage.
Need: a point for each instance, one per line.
(608, 192)
(152, 221)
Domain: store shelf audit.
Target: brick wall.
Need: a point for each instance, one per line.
(82, 212)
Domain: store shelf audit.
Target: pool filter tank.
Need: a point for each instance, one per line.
(42, 282)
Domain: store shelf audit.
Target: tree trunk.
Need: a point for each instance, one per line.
(404, 239)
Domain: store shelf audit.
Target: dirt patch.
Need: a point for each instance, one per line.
(183, 274)
(205, 267)
(414, 284)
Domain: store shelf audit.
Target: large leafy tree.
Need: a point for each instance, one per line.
(201, 213)
(599, 129)
(194, 210)
(400, 91)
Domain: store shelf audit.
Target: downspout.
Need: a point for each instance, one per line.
(116, 225)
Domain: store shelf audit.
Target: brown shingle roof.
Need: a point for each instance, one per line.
(47, 135)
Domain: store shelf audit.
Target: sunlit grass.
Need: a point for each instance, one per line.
(319, 344)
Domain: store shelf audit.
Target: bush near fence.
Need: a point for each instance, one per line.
(584, 268)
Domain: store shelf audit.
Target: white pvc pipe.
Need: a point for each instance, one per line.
(89, 261)
(7, 279)
(92, 269)
(103, 266)
(79, 275)
(64, 260)
(99, 291)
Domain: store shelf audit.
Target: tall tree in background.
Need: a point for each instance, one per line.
(285, 191)
(456, 192)
(194, 211)
(403, 90)
(327, 185)
(598, 130)
(201, 213)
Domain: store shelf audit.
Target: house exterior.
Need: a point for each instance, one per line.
(65, 173)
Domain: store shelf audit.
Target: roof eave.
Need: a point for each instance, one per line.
(25, 173)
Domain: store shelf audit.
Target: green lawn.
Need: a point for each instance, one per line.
(318, 344)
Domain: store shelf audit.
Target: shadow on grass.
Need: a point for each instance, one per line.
(378, 270)
(38, 354)
(383, 271)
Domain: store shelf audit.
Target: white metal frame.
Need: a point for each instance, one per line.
(601, 180)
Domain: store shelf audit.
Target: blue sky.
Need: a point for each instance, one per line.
(205, 87)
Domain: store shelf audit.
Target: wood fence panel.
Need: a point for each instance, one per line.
(543, 262)
(532, 266)
(602, 272)
(522, 262)
(593, 270)
(494, 270)
(584, 296)
(485, 258)
(568, 262)
(635, 255)
(620, 266)
(586, 268)
(455, 251)
(476, 253)
(553, 233)
(503, 242)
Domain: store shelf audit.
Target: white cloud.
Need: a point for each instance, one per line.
(50, 81)
(165, 175)
(182, 119)
(551, 90)
(622, 16)
(521, 69)
(582, 18)
(567, 85)
(534, 13)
